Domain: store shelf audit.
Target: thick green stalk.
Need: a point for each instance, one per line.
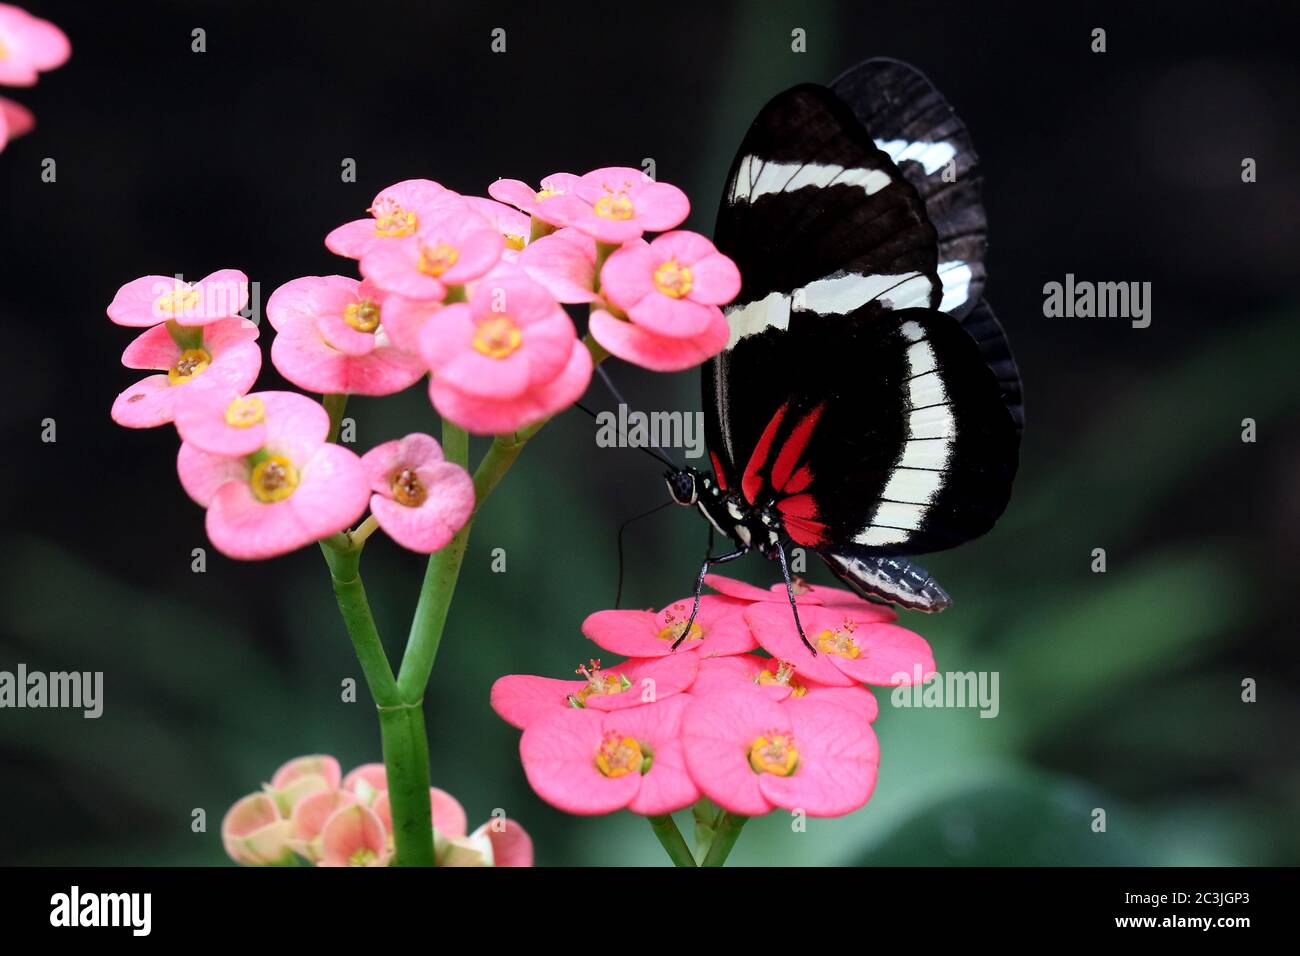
(401, 725)
(671, 838)
(724, 838)
(406, 759)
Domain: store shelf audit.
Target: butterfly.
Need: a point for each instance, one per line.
(867, 406)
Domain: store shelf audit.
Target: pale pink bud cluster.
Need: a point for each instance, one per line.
(311, 812)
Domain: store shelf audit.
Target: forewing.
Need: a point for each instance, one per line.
(822, 224)
(911, 121)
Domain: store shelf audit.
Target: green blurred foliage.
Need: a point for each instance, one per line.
(1119, 691)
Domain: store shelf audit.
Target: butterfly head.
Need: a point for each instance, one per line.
(683, 485)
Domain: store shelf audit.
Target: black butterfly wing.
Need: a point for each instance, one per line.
(869, 419)
(894, 437)
(911, 121)
(817, 218)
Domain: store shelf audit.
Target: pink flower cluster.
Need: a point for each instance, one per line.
(28, 47)
(451, 287)
(261, 462)
(741, 713)
(656, 304)
(311, 810)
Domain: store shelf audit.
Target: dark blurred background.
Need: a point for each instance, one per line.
(1119, 690)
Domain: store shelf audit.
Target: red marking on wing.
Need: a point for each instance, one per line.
(799, 515)
(751, 484)
(799, 481)
(794, 447)
(718, 474)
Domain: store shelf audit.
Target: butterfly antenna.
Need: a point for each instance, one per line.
(618, 397)
(653, 452)
(618, 594)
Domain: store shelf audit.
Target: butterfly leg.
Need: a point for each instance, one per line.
(789, 590)
(709, 560)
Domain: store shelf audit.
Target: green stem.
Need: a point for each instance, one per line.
(345, 573)
(724, 838)
(334, 403)
(401, 724)
(406, 760)
(440, 577)
(671, 838)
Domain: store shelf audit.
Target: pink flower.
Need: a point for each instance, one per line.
(587, 762)
(750, 755)
(221, 420)
(331, 339)
(453, 245)
(777, 680)
(672, 286)
(419, 499)
(719, 628)
(394, 215)
(15, 120)
(659, 353)
(302, 776)
(539, 203)
(223, 355)
(354, 836)
(310, 816)
(617, 204)
(403, 319)
(508, 841)
(506, 359)
(255, 832)
(520, 699)
(852, 645)
(510, 223)
(804, 593)
(150, 300)
(564, 263)
(367, 782)
(295, 490)
(28, 46)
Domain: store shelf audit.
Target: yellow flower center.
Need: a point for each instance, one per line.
(514, 242)
(245, 412)
(273, 479)
(598, 683)
(614, 206)
(435, 260)
(783, 677)
(497, 337)
(546, 192)
(407, 488)
(362, 316)
(673, 279)
(176, 301)
(190, 363)
(618, 756)
(363, 857)
(839, 642)
(774, 754)
(675, 627)
(392, 221)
